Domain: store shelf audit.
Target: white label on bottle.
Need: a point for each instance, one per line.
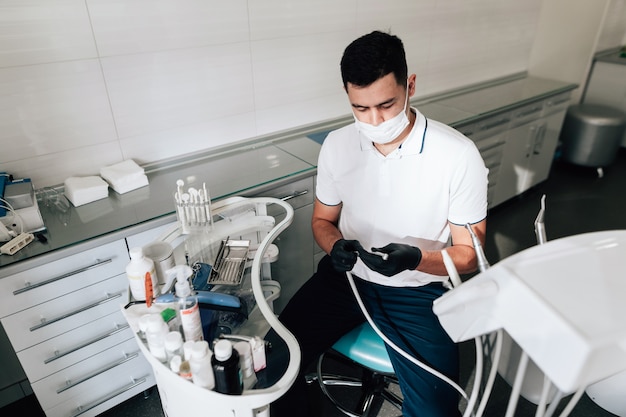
(192, 325)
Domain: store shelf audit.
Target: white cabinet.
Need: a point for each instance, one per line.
(65, 323)
(489, 134)
(530, 146)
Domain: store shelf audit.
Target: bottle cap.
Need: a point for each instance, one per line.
(175, 363)
(136, 253)
(173, 341)
(200, 349)
(187, 348)
(223, 350)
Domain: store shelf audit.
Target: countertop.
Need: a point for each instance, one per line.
(245, 169)
(612, 57)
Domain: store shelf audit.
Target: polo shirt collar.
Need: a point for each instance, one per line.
(412, 145)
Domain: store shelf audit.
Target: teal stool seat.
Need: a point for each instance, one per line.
(371, 374)
(364, 346)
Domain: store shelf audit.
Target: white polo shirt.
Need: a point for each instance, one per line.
(437, 175)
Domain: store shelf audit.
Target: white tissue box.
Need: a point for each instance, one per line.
(83, 190)
(124, 176)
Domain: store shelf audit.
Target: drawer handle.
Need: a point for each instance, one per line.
(496, 124)
(557, 102)
(490, 146)
(30, 286)
(529, 112)
(46, 322)
(58, 355)
(71, 384)
(294, 195)
(83, 409)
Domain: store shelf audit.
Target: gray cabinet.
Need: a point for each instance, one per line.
(296, 245)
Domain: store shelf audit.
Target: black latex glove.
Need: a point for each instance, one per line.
(344, 254)
(400, 257)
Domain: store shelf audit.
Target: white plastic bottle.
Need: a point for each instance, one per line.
(155, 336)
(245, 363)
(188, 307)
(136, 273)
(200, 364)
(173, 345)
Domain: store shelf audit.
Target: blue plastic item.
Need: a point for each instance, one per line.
(364, 346)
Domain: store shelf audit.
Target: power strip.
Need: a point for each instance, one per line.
(17, 243)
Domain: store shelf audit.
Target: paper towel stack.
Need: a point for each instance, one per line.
(83, 190)
(124, 176)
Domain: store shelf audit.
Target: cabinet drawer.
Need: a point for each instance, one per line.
(492, 157)
(65, 313)
(74, 346)
(37, 285)
(557, 103)
(89, 375)
(526, 113)
(117, 387)
(491, 126)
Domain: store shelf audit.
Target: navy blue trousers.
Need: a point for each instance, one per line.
(325, 309)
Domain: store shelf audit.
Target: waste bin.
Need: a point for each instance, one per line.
(591, 135)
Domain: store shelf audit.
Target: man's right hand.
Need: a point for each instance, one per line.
(344, 254)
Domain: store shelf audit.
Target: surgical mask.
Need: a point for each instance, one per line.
(387, 130)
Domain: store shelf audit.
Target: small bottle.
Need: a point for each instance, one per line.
(185, 371)
(155, 335)
(248, 375)
(188, 306)
(200, 364)
(173, 345)
(136, 274)
(187, 348)
(226, 368)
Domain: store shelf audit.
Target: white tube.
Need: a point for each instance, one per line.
(397, 348)
(517, 385)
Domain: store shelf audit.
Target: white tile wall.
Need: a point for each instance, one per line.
(87, 83)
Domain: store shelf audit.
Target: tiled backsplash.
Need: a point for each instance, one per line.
(88, 83)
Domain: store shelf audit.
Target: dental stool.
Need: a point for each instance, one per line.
(365, 351)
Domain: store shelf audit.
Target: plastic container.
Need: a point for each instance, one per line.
(136, 271)
(188, 306)
(174, 345)
(155, 336)
(200, 364)
(246, 365)
(226, 368)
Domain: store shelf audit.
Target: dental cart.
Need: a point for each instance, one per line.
(562, 302)
(234, 218)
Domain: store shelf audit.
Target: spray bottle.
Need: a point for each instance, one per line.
(188, 306)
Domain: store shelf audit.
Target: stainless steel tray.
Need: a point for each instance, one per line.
(230, 263)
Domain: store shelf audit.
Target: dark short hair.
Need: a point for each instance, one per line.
(371, 57)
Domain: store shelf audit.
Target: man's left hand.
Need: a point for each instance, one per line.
(400, 257)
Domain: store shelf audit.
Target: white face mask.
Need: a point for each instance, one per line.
(387, 130)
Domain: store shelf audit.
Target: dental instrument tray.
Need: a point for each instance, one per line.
(230, 263)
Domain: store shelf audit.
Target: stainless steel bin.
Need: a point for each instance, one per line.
(591, 135)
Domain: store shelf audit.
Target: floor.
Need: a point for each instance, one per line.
(577, 201)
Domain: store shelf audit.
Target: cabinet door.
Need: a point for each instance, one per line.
(513, 169)
(543, 147)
